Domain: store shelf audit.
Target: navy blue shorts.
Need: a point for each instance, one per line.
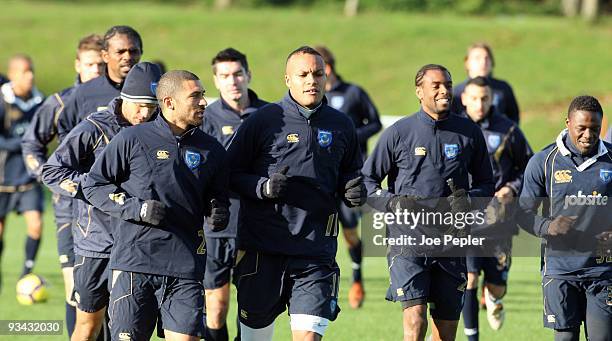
(348, 216)
(139, 302)
(30, 200)
(568, 303)
(91, 290)
(268, 284)
(220, 258)
(440, 282)
(495, 269)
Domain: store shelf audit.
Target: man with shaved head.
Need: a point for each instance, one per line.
(19, 99)
(290, 162)
(160, 179)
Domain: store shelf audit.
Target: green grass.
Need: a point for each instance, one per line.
(377, 320)
(547, 60)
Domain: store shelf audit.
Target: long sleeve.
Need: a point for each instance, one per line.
(350, 166)
(40, 133)
(521, 153)
(377, 166)
(480, 168)
(368, 112)
(69, 117)
(242, 148)
(63, 173)
(532, 195)
(102, 186)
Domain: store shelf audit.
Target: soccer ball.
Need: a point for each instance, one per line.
(31, 289)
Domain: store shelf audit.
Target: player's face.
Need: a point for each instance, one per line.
(477, 101)
(121, 55)
(435, 92)
(89, 65)
(583, 129)
(21, 74)
(478, 63)
(190, 103)
(232, 80)
(137, 113)
(305, 78)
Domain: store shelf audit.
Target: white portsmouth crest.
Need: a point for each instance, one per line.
(192, 159)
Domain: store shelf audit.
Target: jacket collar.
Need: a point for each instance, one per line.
(601, 151)
(253, 99)
(161, 122)
(9, 97)
(293, 108)
(428, 120)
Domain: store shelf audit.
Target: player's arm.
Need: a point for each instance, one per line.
(350, 181)
(480, 168)
(40, 132)
(7, 142)
(102, 186)
(532, 195)
(512, 108)
(369, 113)
(65, 169)
(217, 197)
(241, 154)
(70, 114)
(376, 168)
(520, 152)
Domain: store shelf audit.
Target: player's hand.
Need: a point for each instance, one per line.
(219, 216)
(458, 200)
(152, 212)
(561, 225)
(505, 195)
(276, 186)
(355, 192)
(402, 203)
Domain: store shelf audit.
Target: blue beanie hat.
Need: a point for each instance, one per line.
(141, 83)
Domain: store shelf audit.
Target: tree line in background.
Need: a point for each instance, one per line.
(589, 9)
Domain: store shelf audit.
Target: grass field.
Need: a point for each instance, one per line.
(547, 60)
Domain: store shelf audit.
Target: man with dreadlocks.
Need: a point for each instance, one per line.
(431, 154)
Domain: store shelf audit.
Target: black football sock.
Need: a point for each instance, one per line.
(356, 258)
(470, 314)
(70, 318)
(31, 249)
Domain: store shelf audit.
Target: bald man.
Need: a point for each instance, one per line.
(290, 162)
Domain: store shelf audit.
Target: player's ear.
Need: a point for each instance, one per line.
(168, 103)
(77, 65)
(287, 81)
(567, 122)
(419, 93)
(105, 56)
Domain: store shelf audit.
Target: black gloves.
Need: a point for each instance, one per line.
(276, 186)
(401, 203)
(458, 198)
(152, 212)
(561, 225)
(355, 192)
(219, 216)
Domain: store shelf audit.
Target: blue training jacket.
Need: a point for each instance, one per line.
(147, 162)
(67, 167)
(15, 116)
(221, 122)
(40, 133)
(91, 96)
(564, 183)
(322, 154)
